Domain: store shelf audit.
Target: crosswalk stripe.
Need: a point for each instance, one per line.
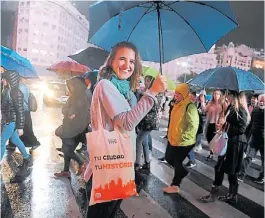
(244, 189)
(192, 192)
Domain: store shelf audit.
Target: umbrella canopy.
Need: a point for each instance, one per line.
(10, 60)
(161, 30)
(92, 57)
(149, 71)
(229, 78)
(68, 67)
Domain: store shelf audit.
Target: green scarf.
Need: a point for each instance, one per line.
(122, 85)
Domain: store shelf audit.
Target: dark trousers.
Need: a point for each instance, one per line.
(175, 155)
(254, 147)
(219, 177)
(210, 133)
(28, 138)
(68, 148)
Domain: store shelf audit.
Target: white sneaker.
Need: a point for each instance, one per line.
(245, 155)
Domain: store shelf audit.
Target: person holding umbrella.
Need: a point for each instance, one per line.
(119, 77)
(90, 80)
(74, 124)
(28, 138)
(236, 120)
(13, 115)
(256, 142)
(149, 122)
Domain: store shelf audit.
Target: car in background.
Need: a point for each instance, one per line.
(55, 93)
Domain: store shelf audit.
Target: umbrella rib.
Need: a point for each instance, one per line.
(188, 25)
(138, 22)
(201, 3)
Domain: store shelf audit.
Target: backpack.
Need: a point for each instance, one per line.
(152, 119)
(32, 103)
(200, 128)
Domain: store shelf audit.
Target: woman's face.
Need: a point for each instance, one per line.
(147, 82)
(201, 98)
(178, 97)
(230, 98)
(216, 95)
(124, 63)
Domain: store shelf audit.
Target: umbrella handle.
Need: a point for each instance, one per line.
(160, 36)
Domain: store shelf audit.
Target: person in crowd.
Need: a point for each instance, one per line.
(253, 103)
(28, 138)
(192, 163)
(201, 99)
(183, 127)
(256, 141)
(213, 109)
(171, 105)
(13, 115)
(164, 103)
(119, 77)
(75, 122)
(150, 122)
(91, 80)
(235, 123)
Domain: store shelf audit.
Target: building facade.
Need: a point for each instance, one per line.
(49, 31)
(196, 64)
(234, 56)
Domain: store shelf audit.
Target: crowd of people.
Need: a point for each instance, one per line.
(114, 90)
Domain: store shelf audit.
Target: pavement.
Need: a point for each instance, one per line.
(39, 194)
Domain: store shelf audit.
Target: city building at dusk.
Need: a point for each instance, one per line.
(49, 31)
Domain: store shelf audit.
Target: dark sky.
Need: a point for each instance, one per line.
(249, 14)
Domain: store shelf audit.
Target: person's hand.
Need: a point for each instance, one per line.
(159, 85)
(219, 127)
(222, 120)
(72, 117)
(20, 132)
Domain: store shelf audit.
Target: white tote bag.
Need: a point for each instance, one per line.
(112, 163)
(218, 145)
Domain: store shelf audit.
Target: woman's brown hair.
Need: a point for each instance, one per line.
(240, 100)
(106, 71)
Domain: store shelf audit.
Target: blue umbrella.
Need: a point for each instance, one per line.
(10, 60)
(229, 78)
(161, 30)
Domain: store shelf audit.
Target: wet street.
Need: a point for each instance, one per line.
(37, 194)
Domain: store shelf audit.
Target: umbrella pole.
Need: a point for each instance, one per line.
(159, 35)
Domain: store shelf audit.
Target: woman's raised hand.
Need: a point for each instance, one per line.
(159, 85)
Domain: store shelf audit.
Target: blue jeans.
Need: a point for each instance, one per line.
(9, 132)
(142, 142)
(191, 155)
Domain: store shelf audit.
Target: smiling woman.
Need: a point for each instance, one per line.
(111, 106)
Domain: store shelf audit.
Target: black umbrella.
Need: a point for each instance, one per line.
(92, 57)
